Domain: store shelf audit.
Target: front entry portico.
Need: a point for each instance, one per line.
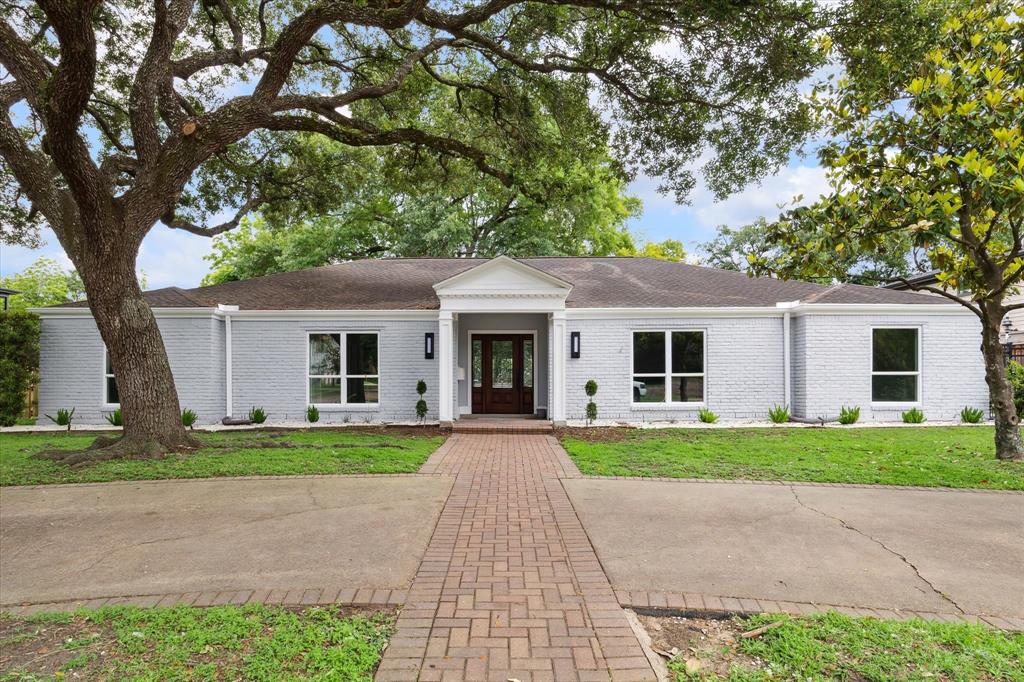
(502, 342)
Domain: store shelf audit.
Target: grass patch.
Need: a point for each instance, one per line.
(188, 643)
(236, 453)
(957, 457)
(832, 646)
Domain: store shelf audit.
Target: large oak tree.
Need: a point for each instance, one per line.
(120, 116)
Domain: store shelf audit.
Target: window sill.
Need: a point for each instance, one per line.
(348, 407)
(668, 406)
(895, 406)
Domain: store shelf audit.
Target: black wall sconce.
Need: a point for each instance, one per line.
(428, 346)
(574, 344)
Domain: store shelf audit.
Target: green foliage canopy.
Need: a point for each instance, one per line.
(43, 283)
(19, 361)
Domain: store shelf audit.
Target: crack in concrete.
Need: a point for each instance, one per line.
(945, 597)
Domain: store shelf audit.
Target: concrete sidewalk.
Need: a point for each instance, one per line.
(938, 551)
(160, 537)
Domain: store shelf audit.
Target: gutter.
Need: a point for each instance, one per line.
(787, 342)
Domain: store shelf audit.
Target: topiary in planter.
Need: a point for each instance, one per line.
(590, 388)
(421, 404)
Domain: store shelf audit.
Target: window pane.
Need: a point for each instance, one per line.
(648, 352)
(888, 388)
(528, 363)
(895, 350)
(501, 364)
(478, 363)
(687, 352)
(363, 390)
(324, 391)
(325, 354)
(687, 389)
(112, 395)
(648, 389)
(362, 353)
(109, 368)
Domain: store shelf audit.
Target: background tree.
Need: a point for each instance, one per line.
(389, 202)
(750, 249)
(667, 249)
(938, 170)
(120, 116)
(43, 283)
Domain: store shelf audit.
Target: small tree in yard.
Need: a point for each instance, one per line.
(19, 360)
(937, 172)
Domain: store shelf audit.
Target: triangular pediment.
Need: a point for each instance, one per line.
(503, 275)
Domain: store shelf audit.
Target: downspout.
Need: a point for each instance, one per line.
(226, 310)
(787, 354)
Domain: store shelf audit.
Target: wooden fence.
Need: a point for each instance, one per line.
(31, 408)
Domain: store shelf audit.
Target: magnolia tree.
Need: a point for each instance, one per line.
(938, 172)
(122, 116)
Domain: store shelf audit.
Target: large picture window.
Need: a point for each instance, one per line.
(668, 366)
(110, 394)
(895, 365)
(343, 368)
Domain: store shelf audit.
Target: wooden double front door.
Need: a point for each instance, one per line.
(502, 367)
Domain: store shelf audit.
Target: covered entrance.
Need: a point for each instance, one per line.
(503, 373)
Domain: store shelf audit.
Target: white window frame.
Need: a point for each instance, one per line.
(920, 359)
(344, 405)
(668, 374)
(104, 402)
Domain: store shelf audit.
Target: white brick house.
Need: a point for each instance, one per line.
(522, 336)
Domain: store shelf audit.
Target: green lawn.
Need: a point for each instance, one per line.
(238, 453)
(955, 456)
(185, 643)
(835, 647)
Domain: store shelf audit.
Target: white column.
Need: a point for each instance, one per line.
(558, 346)
(445, 375)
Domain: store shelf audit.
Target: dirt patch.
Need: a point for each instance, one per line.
(78, 648)
(702, 645)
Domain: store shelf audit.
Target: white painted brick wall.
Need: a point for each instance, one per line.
(269, 359)
(71, 367)
(743, 374)
(837, 365)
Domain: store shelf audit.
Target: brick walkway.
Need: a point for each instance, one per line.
(510, 587)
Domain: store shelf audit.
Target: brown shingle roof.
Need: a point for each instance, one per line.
(407, 284)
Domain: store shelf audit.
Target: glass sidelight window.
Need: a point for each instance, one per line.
(343, 368)
(668, 366)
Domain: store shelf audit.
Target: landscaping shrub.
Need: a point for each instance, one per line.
(972, 415)
(63, 417)
(257, 415)
(849, 415)
(312, 414)
(115, 418)
(1015, 375)
(590, 388)
(421, 404)
(19, 360)
(188, 418)
(779, 414)
(707, 416)
(913, 416)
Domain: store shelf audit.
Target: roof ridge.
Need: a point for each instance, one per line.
(188, 295)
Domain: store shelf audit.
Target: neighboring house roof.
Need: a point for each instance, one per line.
(8, 292)
(611, 282)
(923, 279)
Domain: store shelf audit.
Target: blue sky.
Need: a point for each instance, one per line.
(175, 258)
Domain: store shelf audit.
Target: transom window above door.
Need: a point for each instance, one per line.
(343, 368)
(668, 366)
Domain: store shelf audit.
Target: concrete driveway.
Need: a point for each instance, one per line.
(874, 548)
(72, 542)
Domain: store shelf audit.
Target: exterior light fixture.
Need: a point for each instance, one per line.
(574, 344)
(428, 346)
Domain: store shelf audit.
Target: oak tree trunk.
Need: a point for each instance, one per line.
(1008, 440)
(149, 400)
